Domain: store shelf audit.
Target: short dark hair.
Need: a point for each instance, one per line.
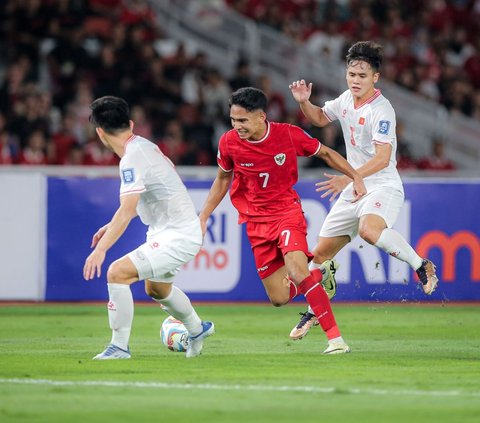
(249, 98)
(110, 113)
(366, 51)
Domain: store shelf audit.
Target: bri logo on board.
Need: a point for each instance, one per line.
(216, 268)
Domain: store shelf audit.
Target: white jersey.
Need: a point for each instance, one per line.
(164, 200)
(372, 122)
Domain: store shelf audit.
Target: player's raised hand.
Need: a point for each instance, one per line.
(301, 91)
(98, 235)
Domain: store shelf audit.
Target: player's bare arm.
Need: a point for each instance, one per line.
(216, 194)
(114, 230)
(335, 184)
(301, 92)
(98, 235)
(378, 162)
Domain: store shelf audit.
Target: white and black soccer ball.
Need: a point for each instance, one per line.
(174, 334)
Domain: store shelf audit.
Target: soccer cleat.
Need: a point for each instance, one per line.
(195, 343)
(426, 274)
(337, 348)
(306, 322)
(330, 284)
(112, 352)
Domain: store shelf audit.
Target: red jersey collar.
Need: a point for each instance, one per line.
(267, 133)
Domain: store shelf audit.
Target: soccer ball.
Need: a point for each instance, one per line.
(174, 334)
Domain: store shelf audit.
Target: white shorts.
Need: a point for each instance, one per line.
(161, 257)
(344, 217)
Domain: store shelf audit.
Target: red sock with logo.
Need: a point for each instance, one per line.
(318, 300)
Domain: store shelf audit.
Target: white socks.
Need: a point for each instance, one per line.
(394, 244)
(120, 313)
(179, 306)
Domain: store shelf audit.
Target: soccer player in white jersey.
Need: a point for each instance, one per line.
(151, 189)
(368, 124)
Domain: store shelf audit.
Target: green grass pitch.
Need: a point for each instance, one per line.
(409, 363)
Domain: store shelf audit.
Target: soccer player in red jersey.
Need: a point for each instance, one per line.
(258, 159)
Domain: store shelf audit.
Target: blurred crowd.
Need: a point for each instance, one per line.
(59, 55)
(431, 47)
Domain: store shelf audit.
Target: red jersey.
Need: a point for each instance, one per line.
(265, 171)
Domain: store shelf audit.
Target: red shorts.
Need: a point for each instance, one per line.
(271, 240)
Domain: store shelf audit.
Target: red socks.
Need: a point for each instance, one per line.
(317, 298)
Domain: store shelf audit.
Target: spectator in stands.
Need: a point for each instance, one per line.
(198, 133)
(9, 149)
(404, 156)
(143, 126)
(76, 156)
(173, 143)
(242, 76)
(96, 154)
(437, 160)
(276, 107)
(64, 139)
(35, 151)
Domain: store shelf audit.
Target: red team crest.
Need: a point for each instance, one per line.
(280, 159)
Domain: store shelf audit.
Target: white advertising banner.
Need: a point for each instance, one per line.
(22, 236)
(216, 268)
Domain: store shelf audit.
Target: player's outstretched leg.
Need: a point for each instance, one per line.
(112, 352)
(318, 301)
(308, 319)
(195, 343)
(427, 276)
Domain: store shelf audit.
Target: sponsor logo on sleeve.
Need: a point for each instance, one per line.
(128, 176)
(383, 127)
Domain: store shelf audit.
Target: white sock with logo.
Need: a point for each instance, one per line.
(178, 305)
(120, 313)
(394, 244)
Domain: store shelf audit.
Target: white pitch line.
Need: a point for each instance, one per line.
(264, 388)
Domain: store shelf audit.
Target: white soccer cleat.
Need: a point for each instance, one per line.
(112, 352)
(195, 343)
(337, 348)
(330, 283)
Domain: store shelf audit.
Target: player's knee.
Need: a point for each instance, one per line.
(368, 234)
(277, 301)
(158, 291)
(115, 274)
(151, 291)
